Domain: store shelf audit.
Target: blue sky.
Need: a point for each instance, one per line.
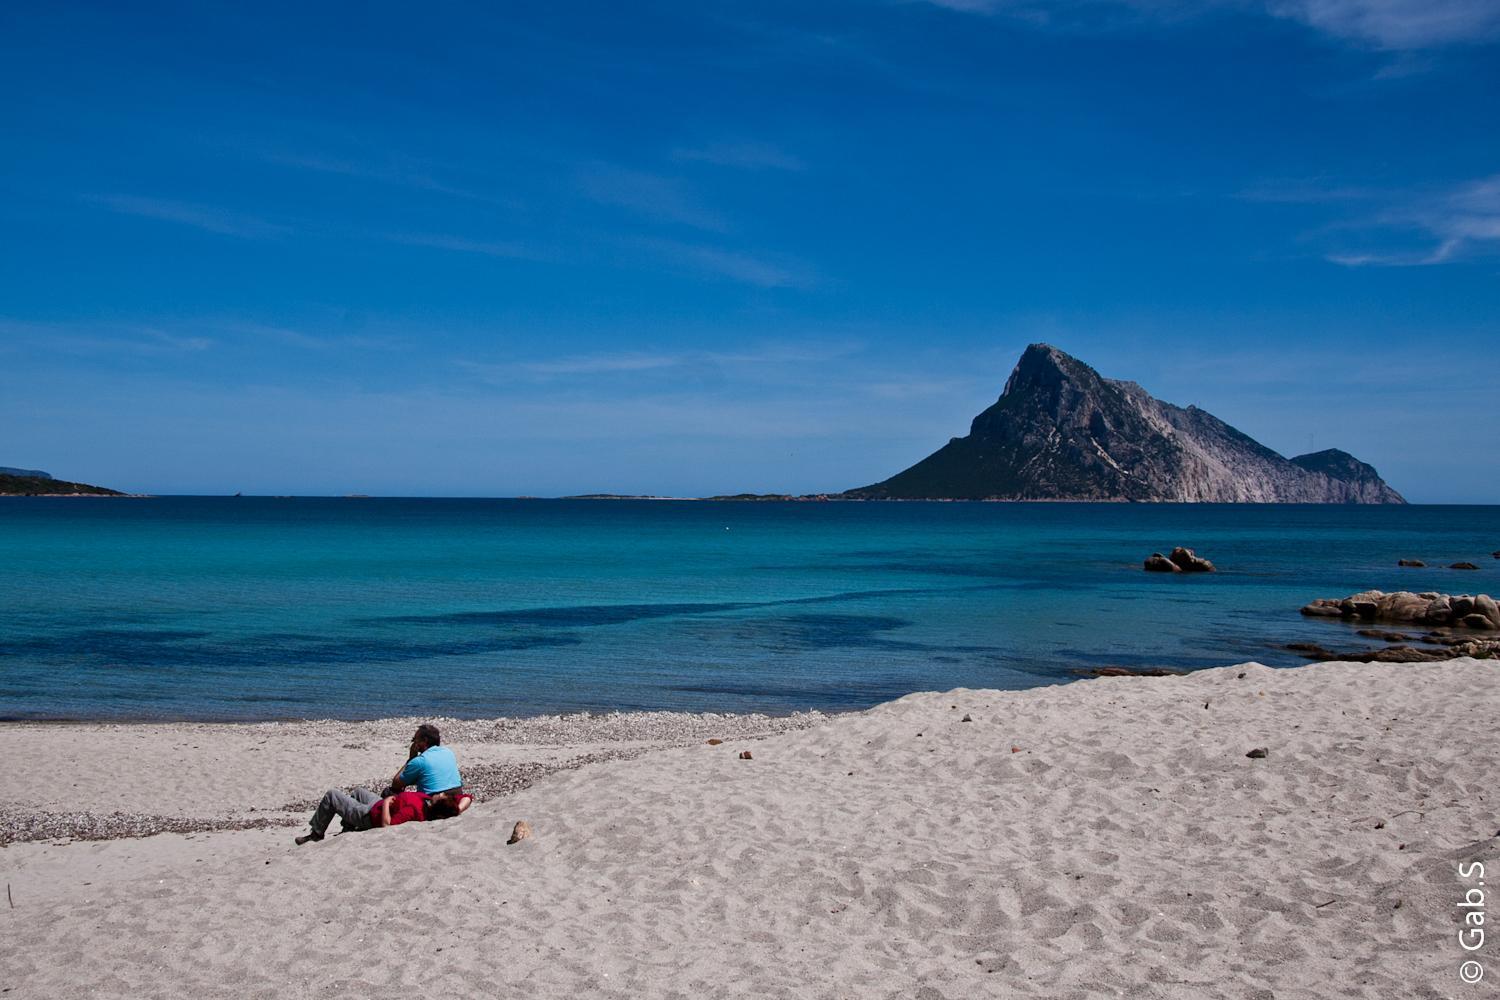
(693, 248)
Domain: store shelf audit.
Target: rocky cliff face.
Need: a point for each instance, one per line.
(1062, 432)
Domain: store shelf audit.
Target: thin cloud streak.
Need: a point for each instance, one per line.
(92, 339)
(1397, 24)
(745, 268)
(393, 174)
(208, 218)
(653, 197)
(1456, 224)
(742, 155)
(490, 248)
(636, 362)
(1463, 222)
(1394, 25)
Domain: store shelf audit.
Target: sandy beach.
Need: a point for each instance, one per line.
(1104, 838)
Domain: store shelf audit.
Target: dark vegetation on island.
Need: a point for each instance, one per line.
(39, 484)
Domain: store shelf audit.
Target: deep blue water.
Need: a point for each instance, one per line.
(253, 608)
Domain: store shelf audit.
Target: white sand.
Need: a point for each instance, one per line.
(1128, 848)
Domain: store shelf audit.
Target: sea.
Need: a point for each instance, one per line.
(247, 608)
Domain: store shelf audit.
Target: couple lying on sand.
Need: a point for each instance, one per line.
(427, 788)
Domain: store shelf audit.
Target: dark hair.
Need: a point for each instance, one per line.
(428, 733)
(444, 805)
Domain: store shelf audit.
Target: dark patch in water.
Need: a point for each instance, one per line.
(568, 616)
(127, 649)
(800, 632)
(592, 615)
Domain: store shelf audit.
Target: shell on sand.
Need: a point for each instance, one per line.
(520, 832)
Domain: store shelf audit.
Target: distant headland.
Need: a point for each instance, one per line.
(36, 483)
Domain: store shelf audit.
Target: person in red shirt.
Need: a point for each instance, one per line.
(393, 810)
(363, 810)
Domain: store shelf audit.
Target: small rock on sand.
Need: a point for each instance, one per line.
(746, 755)
(1258, 753)
(521, 832)
(714, 742)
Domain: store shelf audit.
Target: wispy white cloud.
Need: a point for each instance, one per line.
(1397, 24)
(1418, 258)
(490, 248)
(390, 170)
(744, 155)
(755, 362)
(1307, 191)
(1397, 228)
(654, 197)
(1386, 24)
(87, 339)
(206, 217)
(580, 365)
(746, 268)
(293, 337)
(1459, 223)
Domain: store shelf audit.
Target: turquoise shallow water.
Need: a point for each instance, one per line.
(250, 608)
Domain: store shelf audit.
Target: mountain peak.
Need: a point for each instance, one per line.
(1047, 364)
(1061, 431)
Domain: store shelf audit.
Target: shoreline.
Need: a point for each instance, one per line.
(1231, 832)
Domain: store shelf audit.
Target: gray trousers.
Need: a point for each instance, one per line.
(352, 810)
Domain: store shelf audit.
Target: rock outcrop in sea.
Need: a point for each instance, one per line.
(1060, 431)
(1462, 625)
(1180, 561)
(1476, 611)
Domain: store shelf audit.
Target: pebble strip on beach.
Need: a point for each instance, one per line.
(646, 732)
(17, 826)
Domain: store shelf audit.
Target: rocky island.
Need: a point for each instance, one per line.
(35, 483)
(1061, 431)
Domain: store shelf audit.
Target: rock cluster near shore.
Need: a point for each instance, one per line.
(1180, 561)
(1464, 610)
(1456, 620)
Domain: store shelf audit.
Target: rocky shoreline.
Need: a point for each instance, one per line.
(1458, 625)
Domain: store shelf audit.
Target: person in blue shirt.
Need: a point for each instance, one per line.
(431, 767)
